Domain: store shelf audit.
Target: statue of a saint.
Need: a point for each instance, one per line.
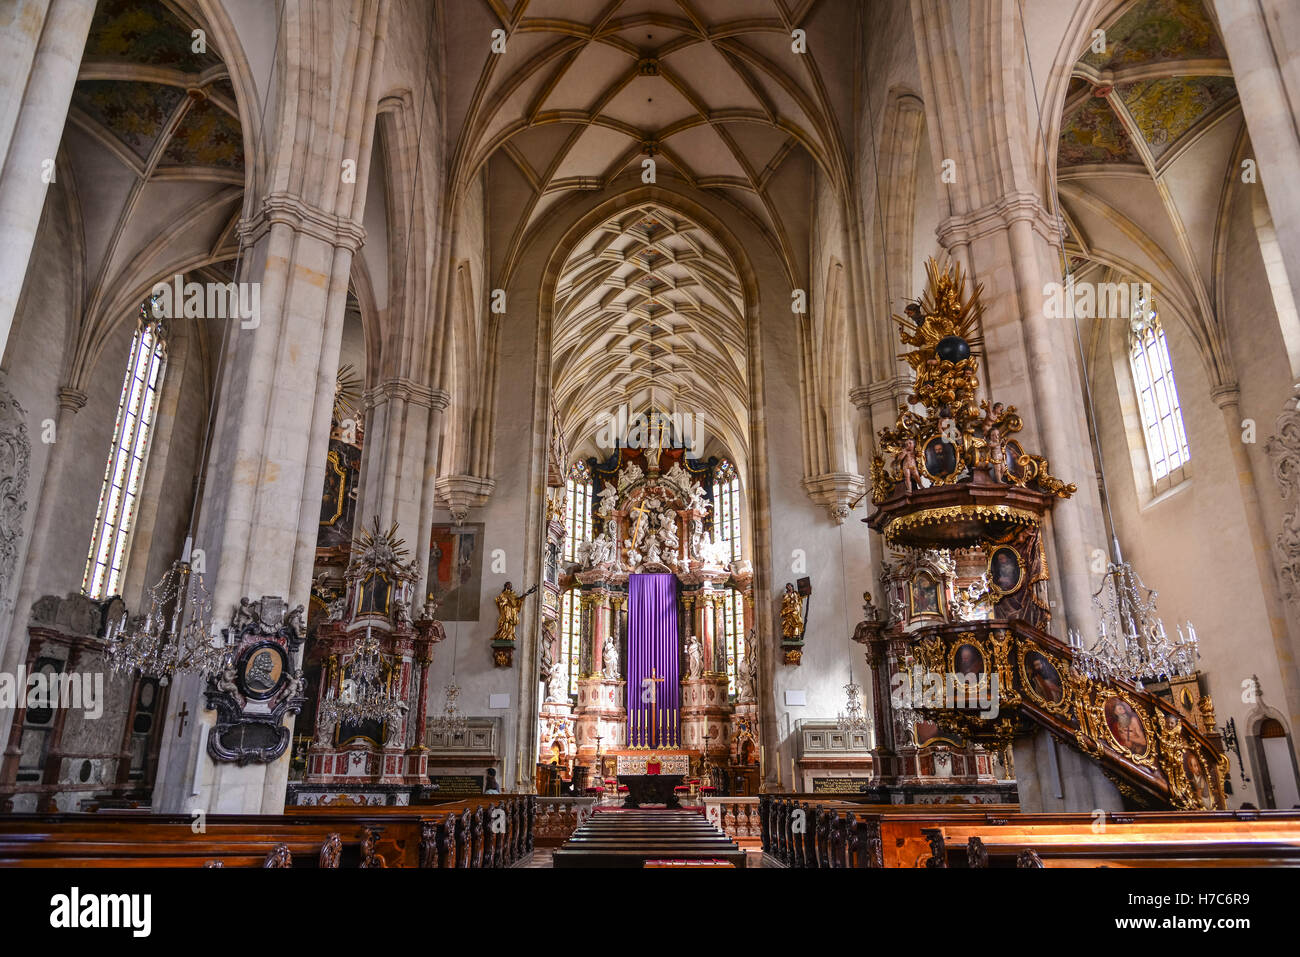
(557, 683)
(609, 657)
(747, 673)
(508, 605)
(694, 657)
(791, 614)
(608, 501)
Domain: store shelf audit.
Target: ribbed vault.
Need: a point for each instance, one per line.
(649, 312)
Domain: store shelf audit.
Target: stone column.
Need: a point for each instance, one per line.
(600, 628)
(45, 40)
(13, 628)
(1261, 38)
(1228, 399)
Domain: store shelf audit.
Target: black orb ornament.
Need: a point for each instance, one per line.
(952, 349)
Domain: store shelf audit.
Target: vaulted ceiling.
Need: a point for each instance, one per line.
(1148, 148)
(739, 99)
(156, 153)
(712, 91)
(649, 312)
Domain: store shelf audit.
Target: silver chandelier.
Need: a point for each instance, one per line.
(365, 691)
(174, 633)
(1131, 642)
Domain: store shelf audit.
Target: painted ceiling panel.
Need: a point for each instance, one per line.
(1165, 109)
(144, 31)
(206, 136)
(1158, 31)
(135, 113)
(1093, 134)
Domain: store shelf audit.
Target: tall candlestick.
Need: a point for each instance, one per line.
(794, 780)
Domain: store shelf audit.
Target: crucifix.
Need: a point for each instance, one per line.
(654, 742)
(641, 512)
(182, 714)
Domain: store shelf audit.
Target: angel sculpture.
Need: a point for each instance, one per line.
(608, 501)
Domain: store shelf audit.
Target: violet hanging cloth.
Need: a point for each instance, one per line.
(652, 654)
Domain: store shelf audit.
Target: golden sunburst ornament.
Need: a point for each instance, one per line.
(347, 393)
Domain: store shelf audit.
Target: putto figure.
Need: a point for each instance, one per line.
(909, 474)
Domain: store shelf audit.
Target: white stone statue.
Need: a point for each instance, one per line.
(747, 673)
(678, 476)
(668, 529)
(609, 657)
(630, 476)
(557, 683)
(652, 553)
(608, 501)
(694, 657)
(697, 502)
(713, 553)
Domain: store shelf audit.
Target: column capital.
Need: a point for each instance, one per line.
(837, 491)
(458, 493)
(1226, 394)
(409, 391)
(301, 216)
(882, 390)
(965, 228)
(71, 400)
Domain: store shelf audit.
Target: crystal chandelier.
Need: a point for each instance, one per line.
(852, 718)
(174, 634)
(365, 694)
(452, 720)
(1132, 643)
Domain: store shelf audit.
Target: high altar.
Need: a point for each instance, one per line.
(652, 586)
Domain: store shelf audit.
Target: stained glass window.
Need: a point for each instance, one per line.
(726, 508)
(578, 517)
(577, 530)
(124, 472)
(733, 625)
(571, 637)
(1153, 380)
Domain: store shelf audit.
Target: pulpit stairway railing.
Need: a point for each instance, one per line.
(1155, 756)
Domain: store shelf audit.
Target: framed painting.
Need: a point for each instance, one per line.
(924, 598)
(456, 570)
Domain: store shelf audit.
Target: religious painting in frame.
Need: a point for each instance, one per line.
(940, 460)
(924, 598)
(1197, 779)
(967, 657)
(1040, 674)
(1013, 471)
(374, 595)
(1129, 728)
(456, 570)
(1006, 571)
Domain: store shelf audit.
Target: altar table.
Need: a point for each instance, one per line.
(651, 789)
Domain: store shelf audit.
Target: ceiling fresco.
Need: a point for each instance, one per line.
(1158, 31)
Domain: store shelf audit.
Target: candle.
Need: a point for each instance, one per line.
(794, 778)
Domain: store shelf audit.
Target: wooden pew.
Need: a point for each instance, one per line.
(448, 834)
(1142, 839)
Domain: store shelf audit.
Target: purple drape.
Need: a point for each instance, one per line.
(652, 652)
